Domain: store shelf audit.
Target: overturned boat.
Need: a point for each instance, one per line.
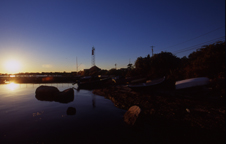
(150, 84)
(92, 84)
(191, 83)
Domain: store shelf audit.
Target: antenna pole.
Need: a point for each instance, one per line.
(77, 64)
(93, 56)
(152, 50)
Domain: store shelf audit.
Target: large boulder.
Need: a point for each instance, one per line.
(132, 114)
(50, 93)
(65, 96)
(47, 90)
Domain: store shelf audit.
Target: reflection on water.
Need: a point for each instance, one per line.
(12, 86)
(94, 100)
(25, 119)
(37, 113)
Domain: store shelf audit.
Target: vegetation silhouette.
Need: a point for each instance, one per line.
(208, 61)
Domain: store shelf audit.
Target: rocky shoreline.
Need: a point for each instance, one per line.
(181, 112)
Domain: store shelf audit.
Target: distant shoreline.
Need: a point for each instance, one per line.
(38, 79)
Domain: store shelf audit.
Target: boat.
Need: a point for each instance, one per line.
(119, 80)
(148, 85)
(92, 84)
(85, 79)
(139, 80)
(129, 80)
(191, 83)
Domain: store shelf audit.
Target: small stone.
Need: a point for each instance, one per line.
(71, 111)
(131, 115)
(187, 110)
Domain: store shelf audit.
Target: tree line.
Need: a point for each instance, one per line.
(207, 61)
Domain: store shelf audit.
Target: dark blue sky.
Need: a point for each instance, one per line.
(48, 35)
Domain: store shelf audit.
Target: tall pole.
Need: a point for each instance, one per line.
(152, 50)
(77, 64)
(93, 56)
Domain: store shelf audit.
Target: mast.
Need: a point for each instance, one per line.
(93, 56)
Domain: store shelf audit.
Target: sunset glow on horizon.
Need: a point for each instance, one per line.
(58, 36)
(12, 66)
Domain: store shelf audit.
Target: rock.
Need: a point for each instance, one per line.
(47, 90)
(50, 93)
(71, 111)
(131, 115)
(69, 91)
(65, 96)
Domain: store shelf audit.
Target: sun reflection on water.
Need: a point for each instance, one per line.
(12, 86)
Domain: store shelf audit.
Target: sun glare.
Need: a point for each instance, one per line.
(12, 86)
(12, 66)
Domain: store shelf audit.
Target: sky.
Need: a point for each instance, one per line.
(49, 35)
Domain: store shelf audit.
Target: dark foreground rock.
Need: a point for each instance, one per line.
(51, 90)
(175, 116)
(71, 111)
(50, 93)
(131, 115)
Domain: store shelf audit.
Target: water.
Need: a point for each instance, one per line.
(25, 119)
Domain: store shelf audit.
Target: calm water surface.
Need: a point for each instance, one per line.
(25, 119)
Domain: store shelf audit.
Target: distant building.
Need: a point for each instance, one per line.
(94, 70)
(74, 73)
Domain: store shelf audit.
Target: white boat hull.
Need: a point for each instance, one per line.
(193, 82)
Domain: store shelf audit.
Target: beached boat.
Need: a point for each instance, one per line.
(129, 80)
(139, 80)
(119, 80)
(92, 84)
(148, 85)
(190, 83)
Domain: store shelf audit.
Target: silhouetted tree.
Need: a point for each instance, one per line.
(208, 61)
(130, 66)
(158, 65)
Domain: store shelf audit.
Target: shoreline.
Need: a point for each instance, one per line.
(172, 118)
(197, 110)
